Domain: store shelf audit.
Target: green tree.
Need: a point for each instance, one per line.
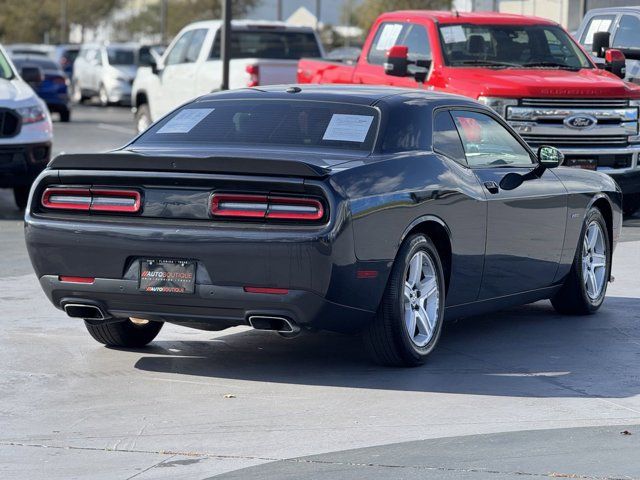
(180, 13)
(369, 10)
(23, 23)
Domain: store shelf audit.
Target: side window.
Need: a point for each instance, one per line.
(177, 53)
(413, 36)
(195, 45)
(446, 140)
(627, 33)
(599, 23)
(487, 143)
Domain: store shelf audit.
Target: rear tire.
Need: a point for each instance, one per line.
(142, 118)
(21, 196)
(65, 115)
(585, 287)
(76, 93)
(409, 320)
(123, 334)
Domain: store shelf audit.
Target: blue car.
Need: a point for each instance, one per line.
(52, 86)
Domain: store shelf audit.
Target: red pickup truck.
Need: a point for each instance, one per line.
(528, 69)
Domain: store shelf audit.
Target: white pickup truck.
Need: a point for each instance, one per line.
(262, 53)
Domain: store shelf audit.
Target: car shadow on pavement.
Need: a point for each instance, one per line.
(528, 351)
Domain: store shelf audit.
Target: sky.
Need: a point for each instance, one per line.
(330, 10)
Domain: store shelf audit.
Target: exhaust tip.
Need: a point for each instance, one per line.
(87, 312)
(275, 324)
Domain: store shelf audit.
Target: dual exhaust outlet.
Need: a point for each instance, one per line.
(281, 325)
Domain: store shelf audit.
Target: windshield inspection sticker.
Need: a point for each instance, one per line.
(453, 34)
(348, 128)
(185, 120)
(389, 35)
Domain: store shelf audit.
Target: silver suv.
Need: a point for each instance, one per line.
(105, 71)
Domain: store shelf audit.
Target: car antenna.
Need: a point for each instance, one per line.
(293, 90)
(457, 13)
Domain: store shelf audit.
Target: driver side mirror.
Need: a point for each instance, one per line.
(32, 75)
(550, 157)
(397, 63)
(615, 62)
(601, 42)
(156, 66)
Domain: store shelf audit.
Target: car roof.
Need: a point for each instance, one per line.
(246, 24)
(595, 11)
(355, 94)
(481, 18)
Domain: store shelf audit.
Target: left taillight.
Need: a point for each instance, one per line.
(92, 199)
(231, 205)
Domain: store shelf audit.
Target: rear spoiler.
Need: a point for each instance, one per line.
(219, 164)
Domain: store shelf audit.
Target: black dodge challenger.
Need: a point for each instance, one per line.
(344, 208)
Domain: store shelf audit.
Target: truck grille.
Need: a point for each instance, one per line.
(574, 102)
(614, 141)
(9, 123)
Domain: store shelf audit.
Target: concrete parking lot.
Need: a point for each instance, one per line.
(521, 392)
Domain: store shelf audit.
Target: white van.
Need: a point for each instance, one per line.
(25, 129)
(262, 53)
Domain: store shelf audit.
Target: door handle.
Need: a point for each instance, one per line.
(492, 187)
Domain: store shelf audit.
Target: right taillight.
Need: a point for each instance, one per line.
(254, 75)
(92, 199)
(231, 205)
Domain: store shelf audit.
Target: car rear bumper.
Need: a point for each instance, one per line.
(210, 307)
(20, 164)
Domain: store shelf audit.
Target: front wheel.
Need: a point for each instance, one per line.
(584, 288)
(143, 118)
(103, 96)
(127, 333)
(409, 320)
(21, 196)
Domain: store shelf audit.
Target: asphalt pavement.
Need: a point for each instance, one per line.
(523, 392)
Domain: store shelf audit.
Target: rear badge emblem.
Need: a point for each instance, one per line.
(580, 122)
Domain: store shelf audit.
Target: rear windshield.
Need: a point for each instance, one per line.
(269, 44)
(119, 56)
(267, 123)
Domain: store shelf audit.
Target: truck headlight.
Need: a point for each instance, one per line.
(498, 104)
(635, 103)
(32, 114)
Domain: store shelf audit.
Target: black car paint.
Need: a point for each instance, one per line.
(525, 239)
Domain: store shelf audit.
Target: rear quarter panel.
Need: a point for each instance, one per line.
(584, 189)
(387, 197)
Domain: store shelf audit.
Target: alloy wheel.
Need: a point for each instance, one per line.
(421, 299)
(594, 260)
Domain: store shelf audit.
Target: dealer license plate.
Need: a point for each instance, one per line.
(167, 276)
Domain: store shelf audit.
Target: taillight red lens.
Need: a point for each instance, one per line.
(125, 201)
(233, 205)
(67, 198)
(266, 206)
(291, 208)
(90, 199)
(254, 75)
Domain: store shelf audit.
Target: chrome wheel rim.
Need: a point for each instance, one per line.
(594, 260)
(421, 299)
